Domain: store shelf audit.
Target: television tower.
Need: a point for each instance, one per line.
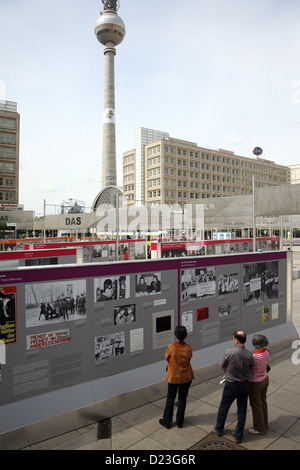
(110, 31)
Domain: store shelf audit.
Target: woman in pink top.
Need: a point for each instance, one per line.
(259, 382)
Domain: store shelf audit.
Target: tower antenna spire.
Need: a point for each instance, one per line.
(111, 5)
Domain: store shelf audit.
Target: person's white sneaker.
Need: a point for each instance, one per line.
(253, 431)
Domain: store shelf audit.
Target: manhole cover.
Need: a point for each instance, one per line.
(214, 442)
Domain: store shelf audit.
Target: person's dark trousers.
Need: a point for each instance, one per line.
(183, 390)
(238, 391)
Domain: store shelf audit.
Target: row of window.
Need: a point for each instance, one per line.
(218, 158)
(128, 169)
(154, 161)
(7, 167)
(6, 181)
(7, 152)
(154, 193)
(181, 194)
(181, 151)
(6, 196)
(155, 182)
(216, 168)
(128, 159)
(154, 172)
(154, 150)
(172, 194)
(8, 123)
(8, 138)
(128, 178)
(128, 187)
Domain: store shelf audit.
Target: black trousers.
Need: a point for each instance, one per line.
(183, 390)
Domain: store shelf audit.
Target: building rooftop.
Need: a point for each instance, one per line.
(9, 106)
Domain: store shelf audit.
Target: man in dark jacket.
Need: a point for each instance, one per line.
(236, 364)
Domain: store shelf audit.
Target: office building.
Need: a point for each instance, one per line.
(295, 173)
(162, 169)
(9, 153)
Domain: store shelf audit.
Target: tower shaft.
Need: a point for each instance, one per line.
(109, 170)
(110, 32)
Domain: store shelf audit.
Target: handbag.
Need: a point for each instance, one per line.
(268, 367)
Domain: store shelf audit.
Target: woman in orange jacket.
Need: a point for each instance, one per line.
(179, 377)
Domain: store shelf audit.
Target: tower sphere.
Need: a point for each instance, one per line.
(110, 28)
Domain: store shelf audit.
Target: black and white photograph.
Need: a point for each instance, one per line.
(86, 254)
(111, 288)
(148, 283)
(198, 283)
(109, 346)
(139, 250)
(124, 314)
(228, 283)
(260, 282)
(187, 320)
(103, 252)
(54, 302)
(224, 310)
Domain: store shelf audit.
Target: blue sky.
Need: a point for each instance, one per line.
(224, 74)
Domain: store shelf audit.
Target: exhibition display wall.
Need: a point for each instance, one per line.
(78, 334)
(163, 249)
(37, 257)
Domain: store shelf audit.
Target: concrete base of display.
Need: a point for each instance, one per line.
(47, 415)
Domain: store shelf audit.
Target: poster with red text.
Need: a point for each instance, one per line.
(8, 314)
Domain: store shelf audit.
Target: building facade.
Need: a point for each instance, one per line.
(295, 173)
(172, 171)
(9, 153)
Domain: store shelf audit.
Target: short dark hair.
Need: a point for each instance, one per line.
(240, 336)
(180, 332)
(260, 341)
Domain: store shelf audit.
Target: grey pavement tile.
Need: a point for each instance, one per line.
(280, 421)
(85, 441)
(124, 435)
(89, 428)
(147, 444)
(293, 432)
(145, 418)
(179, 439)
(286, 366)
(277, 377)
(282, 443)
(56, 442)
(293, 385)
(204, 417)
(99, 444)
(160, 403)
(206, 390)
(285, 400)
